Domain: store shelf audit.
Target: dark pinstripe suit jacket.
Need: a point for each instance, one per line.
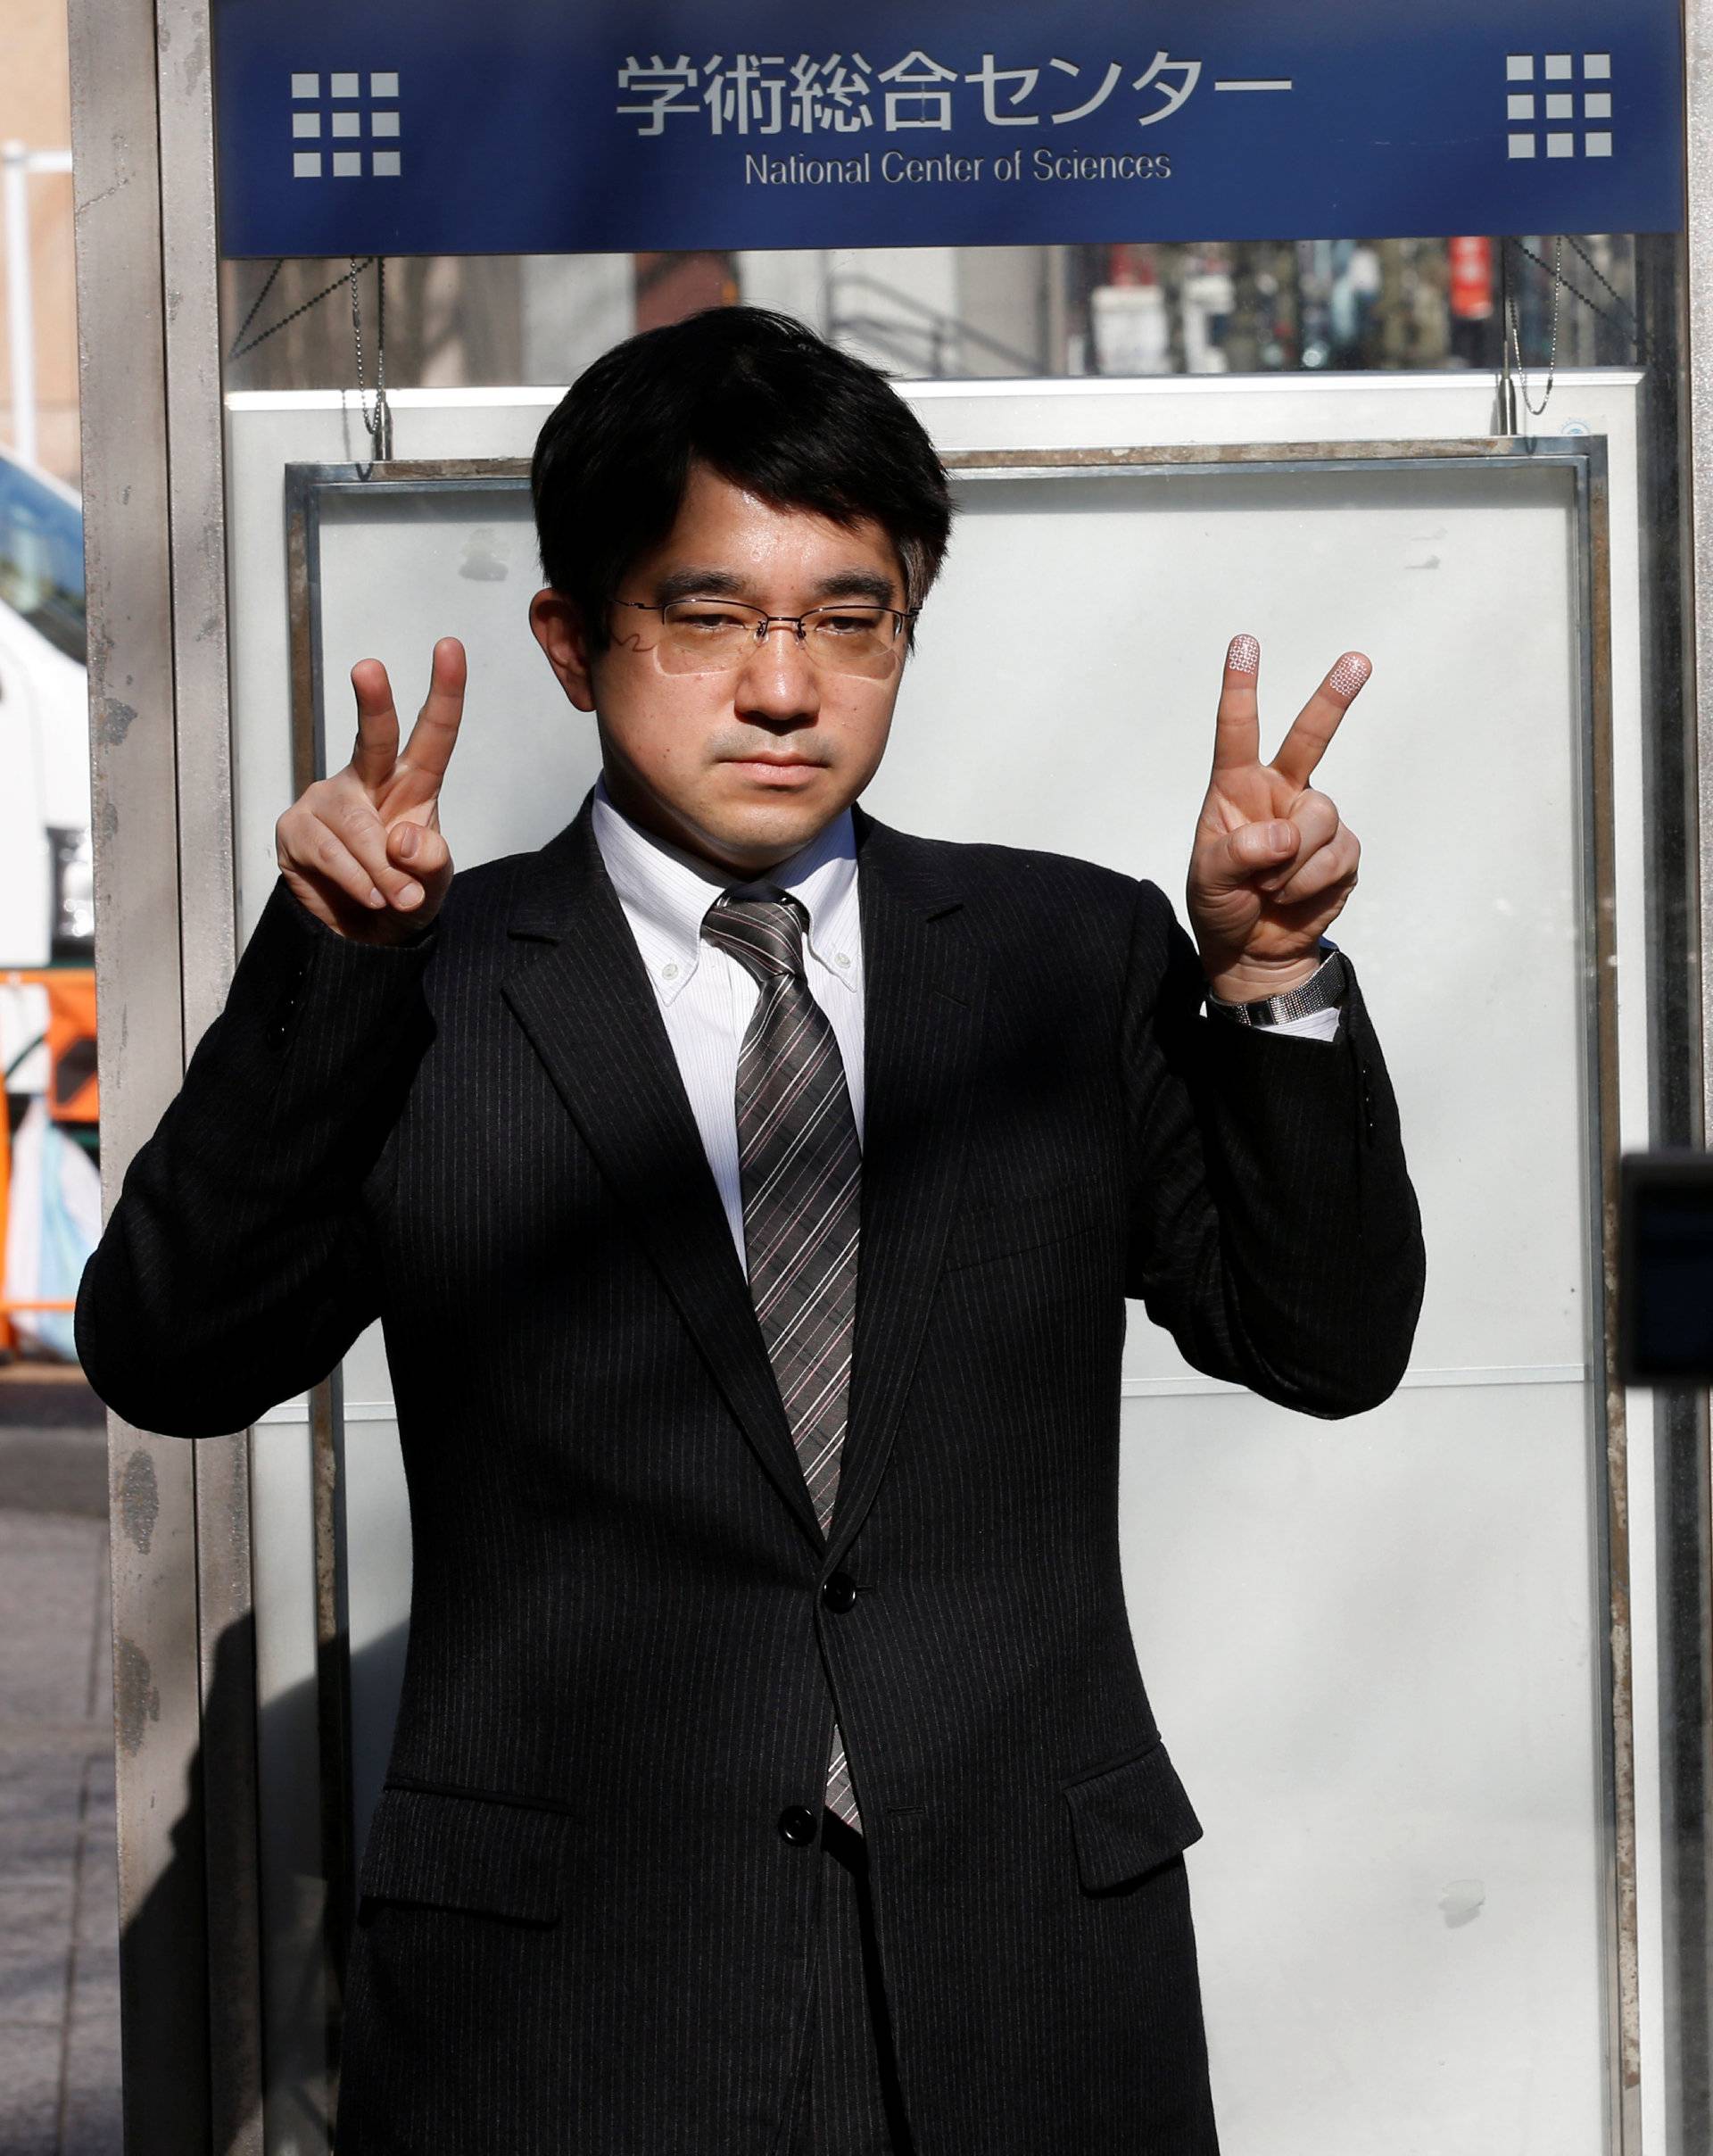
(583, 1933)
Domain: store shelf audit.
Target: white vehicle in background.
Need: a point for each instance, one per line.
(46, 877)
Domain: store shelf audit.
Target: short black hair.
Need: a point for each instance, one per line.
(760, 400)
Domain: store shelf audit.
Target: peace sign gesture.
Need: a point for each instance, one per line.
(363, 850)
(1272, 864)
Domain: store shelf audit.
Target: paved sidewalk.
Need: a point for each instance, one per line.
(59, 1944)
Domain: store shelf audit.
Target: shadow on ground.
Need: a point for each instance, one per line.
(59, 1892)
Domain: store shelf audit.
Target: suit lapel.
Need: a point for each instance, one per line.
(579, 990)
(922, 984)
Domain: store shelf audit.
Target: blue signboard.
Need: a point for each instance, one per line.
(398, 127)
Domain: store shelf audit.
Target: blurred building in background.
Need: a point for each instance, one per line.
(1136, 308)
(36, 114)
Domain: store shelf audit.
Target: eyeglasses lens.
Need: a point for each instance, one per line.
(703, 636)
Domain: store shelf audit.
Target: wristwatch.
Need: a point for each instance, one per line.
(1324, 987)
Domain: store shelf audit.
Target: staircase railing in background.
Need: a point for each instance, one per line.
(926, 343)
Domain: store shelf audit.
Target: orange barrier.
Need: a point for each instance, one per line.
(73, 1092)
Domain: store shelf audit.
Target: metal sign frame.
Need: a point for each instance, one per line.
(155, 530)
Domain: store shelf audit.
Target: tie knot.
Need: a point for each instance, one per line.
(764, 935)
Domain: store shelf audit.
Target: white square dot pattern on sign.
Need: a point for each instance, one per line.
(1558, 106)
(351, 118)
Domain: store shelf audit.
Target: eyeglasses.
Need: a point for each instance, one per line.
(715, 635)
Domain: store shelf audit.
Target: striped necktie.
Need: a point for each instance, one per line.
(800, 1164)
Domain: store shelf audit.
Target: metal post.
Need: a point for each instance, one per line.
(122, 303)
(207, 932)
(1686, 1497)
(155, 560)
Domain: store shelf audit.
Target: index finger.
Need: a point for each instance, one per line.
(1236, 728)
(1305, 744)
(434, 735)
(378, 726)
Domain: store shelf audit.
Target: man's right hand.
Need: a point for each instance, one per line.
(363, 850)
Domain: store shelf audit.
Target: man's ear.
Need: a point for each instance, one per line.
(558, 624)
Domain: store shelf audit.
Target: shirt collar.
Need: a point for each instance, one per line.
(666, 893)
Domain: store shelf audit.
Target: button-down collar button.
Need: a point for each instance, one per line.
(842, 958)
(669, 972)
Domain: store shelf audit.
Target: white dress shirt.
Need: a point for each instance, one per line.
(707, 999)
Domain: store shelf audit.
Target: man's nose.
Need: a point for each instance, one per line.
(778, 680)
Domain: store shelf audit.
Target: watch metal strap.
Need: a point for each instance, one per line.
(1325, 986)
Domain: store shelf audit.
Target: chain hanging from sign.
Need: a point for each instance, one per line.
(379, 424)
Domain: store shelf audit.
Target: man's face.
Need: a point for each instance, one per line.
(741, 767)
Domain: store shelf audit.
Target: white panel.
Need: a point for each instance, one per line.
(1063, 696)
(526, 757)
(1383, 1709)
(377, 1595)
(282, 1507)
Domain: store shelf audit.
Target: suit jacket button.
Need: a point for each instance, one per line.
(797, 1825)
(840, 1593)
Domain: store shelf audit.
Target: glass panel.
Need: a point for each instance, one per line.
(936, 313)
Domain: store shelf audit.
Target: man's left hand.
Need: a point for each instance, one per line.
(1273, 863)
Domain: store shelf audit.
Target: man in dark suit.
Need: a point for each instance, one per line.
(750, 1195)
